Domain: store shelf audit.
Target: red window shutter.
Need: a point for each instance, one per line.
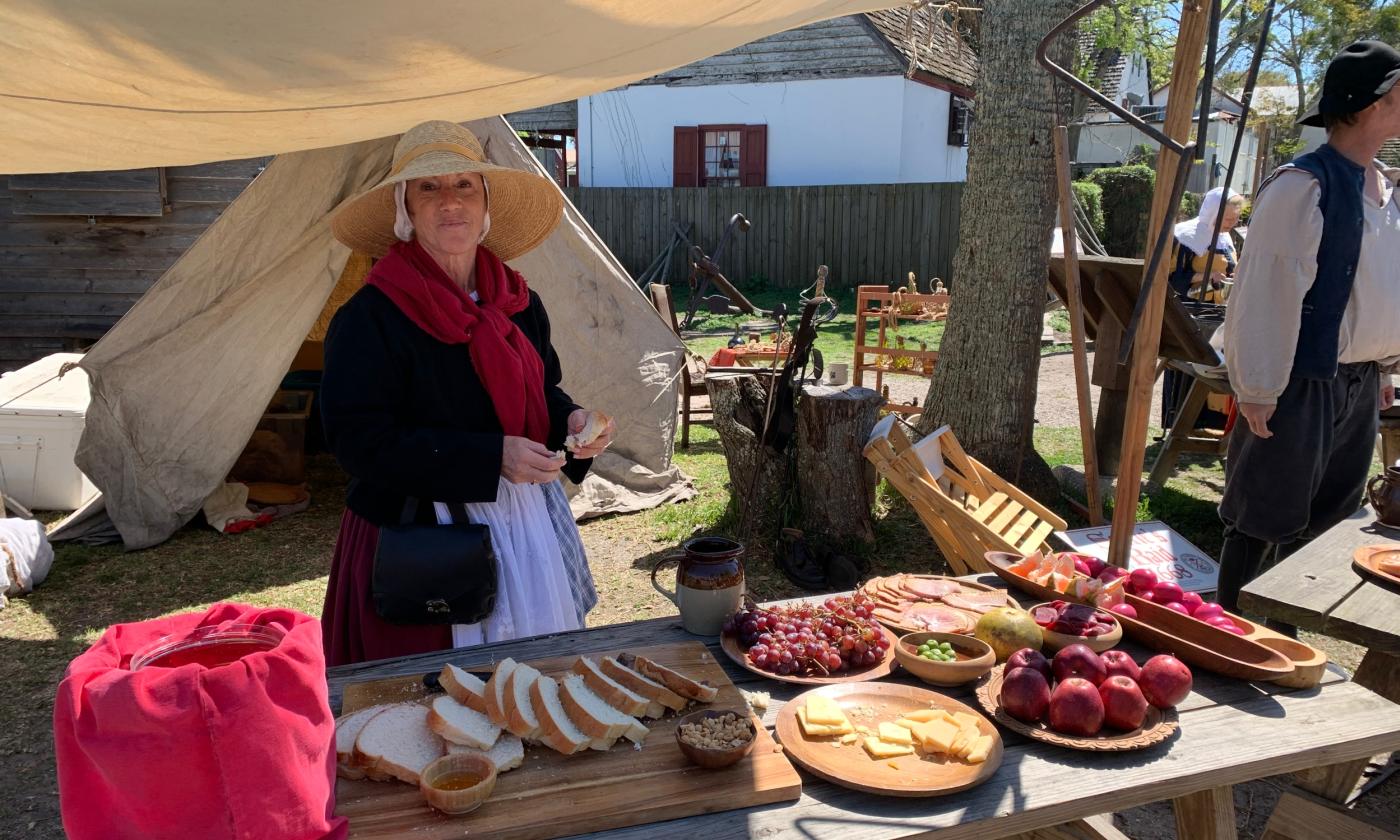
(687, 156)
(753, 156)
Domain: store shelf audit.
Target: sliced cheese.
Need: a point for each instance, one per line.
(884, 749)
(980, 749)
(822, 709)
(967, 736)
(819, 730)
(936, 736)
(893, 734)
(927, 715)
(965, 718)
(850, 738)
(908, 723)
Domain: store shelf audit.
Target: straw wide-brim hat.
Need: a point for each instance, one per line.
(525, 207)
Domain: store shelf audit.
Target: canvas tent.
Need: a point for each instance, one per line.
(180, 382)
(95, 84)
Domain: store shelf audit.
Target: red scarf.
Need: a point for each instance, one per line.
(505, 360)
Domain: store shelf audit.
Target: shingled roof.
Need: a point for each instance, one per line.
(1390, 152)
(950, 56)
(1106, 69)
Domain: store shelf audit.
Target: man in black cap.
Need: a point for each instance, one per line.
(1313, 326)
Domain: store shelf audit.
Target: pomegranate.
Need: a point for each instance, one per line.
(1165, 681)
(1191, 601)
(1167, 592)
(1025, 694)
(1117, 663)
(1030, 658)
(1141, 581)
(1096, 565)
(1124, 609)
(1124, 707)
(1076, 708)
(1078, 661)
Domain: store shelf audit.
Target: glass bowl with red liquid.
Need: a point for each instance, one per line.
(207, 646)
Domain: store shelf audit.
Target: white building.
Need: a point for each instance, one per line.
(831, 103)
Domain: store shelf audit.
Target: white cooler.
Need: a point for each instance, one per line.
(41, 419)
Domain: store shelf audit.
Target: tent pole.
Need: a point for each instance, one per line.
(1177, 125)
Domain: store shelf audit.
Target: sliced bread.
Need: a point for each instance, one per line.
(556, 730)
(458, 724)
(495, 692)
(507, 753)
(595, 717)
(464, 687)
(679, 683)
(397, 742)
(617, 695)
(645, 686)
(347, 729)
(520, 714)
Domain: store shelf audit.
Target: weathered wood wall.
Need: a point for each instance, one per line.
(865, 233)
(65, 280)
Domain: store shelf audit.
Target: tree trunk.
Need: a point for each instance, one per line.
(759, 479)
(985, 383)
(835, 483)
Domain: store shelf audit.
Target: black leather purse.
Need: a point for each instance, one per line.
(433, 574)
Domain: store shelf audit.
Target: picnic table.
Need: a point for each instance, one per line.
(1231, 731)
(1316, 589)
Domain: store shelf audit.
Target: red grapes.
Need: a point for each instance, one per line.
(807, 640)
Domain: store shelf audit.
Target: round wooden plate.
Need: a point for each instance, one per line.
(1366, 563)
(903, 629)
(1158, 727)
(849, 765)
(885, 667)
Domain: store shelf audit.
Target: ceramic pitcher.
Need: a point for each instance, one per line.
(709, 582)
(1383, 492)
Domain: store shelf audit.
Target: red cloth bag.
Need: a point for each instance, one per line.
(240, 750)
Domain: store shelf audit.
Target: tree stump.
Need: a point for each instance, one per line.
(759, 479)
(835, 482)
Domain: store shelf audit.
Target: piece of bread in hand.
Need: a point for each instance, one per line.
(454, 722)
(557, 731)
(598, 720)
(464, 687)
(495, 692)
(397, 742)
(520, 714)
(677, 682)
(645, 686)
(592, 428)
(618, 696)
(507, 753)
(347, 729)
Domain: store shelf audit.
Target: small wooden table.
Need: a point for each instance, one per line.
(1316, 589)
(1231, 731)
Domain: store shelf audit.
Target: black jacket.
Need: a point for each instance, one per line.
(406, 415)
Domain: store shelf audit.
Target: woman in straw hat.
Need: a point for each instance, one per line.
(441, 385)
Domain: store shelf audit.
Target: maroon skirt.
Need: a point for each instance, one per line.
(350, 628)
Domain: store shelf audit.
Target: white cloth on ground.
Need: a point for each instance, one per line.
(534, 595)
(25, 557)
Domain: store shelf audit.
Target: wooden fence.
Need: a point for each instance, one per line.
(864, 233)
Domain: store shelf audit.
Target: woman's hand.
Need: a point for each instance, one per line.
(1257, 416)
(525, 462)
(577, 420)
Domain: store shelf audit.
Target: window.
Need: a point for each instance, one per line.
(721, 156)
(959, 120)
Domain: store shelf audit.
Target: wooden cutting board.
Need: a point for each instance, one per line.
(553, 795)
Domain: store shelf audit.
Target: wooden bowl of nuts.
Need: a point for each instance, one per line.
(715, 738)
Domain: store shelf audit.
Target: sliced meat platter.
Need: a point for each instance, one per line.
(915, 603)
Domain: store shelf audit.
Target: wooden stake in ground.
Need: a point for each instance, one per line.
(1186, 69)
(1075, 305)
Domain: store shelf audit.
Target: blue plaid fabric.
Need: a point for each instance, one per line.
(571, 548)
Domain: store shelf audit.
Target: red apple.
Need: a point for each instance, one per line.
(1191, 601)
(1224, 623)
(1078, 661)
(1030, 658)
(1076, 708)
(1165, 681)
(1145, 594)
(1167, 592)
(1096, 565)
(1081, 566)
(1124, 707)
(1205, 611)
(1025, 694)
(1124, 609)
(1142, 580)
(1117, 663)
(1111, 573)
(1177, 606)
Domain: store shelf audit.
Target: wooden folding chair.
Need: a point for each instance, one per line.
(968, 509)
(693, 378)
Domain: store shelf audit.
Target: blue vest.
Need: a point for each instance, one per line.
(1343, 185)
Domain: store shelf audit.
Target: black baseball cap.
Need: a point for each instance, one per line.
(1362, 73)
